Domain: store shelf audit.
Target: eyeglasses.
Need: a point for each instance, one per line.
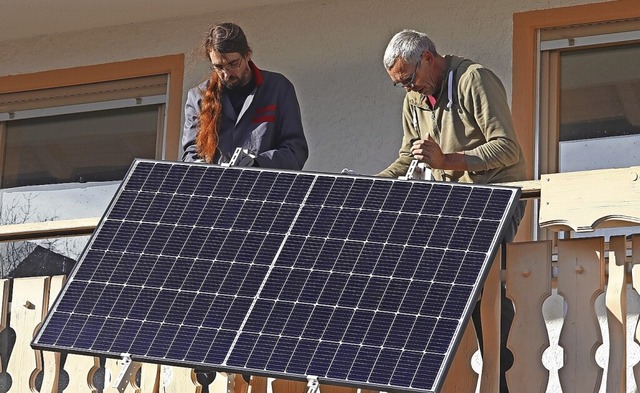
(230, 66)
(411, 82)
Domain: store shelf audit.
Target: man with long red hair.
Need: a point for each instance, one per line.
(242, 106)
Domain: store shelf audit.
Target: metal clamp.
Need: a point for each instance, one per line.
(418, 171)
(241, 157)
(124, 376)
(313, 386)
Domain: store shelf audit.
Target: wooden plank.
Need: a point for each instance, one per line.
(238, 384)
(282, 385)
(257, 384)
(150, 378)
(183, 380)
(585, 200)
(220, 383)
(616, 303)
(490, 315)
(461, 377)
(324, 389)
(528, 286)
(51, 360)
(81, 370)
(179, 380)
(580, 281)
(530, 189)
(635, 277)
(28, 306)
(47, 229)
(4, 313)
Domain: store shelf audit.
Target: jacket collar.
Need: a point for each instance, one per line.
(256, 71)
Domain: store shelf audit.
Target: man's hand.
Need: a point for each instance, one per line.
(245, 160)
(429, 152)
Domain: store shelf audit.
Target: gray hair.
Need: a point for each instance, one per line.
(407, 45)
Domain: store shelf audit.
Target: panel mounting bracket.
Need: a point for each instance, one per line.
(121, 381)
(241, 157)
(417, 170)
(312, 384)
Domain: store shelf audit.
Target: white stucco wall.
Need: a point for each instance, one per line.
(330, 49)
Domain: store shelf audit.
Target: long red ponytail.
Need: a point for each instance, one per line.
(209, 119)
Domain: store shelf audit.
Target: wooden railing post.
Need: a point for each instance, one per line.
(490, 313)
(580, 281)
(461, 377)
(51, 360)
(528, 286)
(616, 301)
(635, 273)
(28, 306)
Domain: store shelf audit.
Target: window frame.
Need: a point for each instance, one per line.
(527, 88)
(167, 146)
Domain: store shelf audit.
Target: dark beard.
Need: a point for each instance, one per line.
(232, 84)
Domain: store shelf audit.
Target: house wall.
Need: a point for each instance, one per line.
(330, 49)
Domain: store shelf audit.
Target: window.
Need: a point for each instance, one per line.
(589, 107)
(67, 138)
(85, 130)
(580, 65)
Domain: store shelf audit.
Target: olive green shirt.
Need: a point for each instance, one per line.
(478, 122)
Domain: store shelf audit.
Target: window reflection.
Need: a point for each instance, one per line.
(44, 257)
(81, 147)
(599, 108)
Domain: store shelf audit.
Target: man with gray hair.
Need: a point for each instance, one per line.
(456, 119)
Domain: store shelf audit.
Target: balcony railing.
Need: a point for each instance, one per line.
(575, 327)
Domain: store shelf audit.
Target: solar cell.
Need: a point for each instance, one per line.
(360, 281)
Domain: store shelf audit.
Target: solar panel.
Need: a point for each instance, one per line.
(359, 281)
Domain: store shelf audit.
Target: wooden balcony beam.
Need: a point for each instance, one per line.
(48, 229)
(530, 188)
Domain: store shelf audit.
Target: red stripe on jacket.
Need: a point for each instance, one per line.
(264, 119)
(268, 108)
